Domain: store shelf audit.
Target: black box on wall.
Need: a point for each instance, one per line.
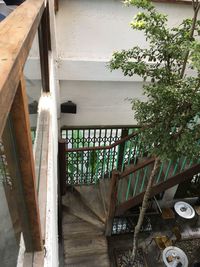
(68, 107)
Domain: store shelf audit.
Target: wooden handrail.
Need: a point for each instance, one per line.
(102, 147)
(157, 188)
(17, 32)
(186, 2)
(92, 127)
(136, 168)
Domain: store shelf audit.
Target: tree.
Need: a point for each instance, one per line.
(169, 116)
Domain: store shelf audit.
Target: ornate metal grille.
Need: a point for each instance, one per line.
(88, 166)
(123, 225)
(76, 138)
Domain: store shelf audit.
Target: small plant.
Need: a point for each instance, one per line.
(169, 117)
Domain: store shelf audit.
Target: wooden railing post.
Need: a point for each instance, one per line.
(21, 129)
(62, 166)
(112, 202)
(121, 150)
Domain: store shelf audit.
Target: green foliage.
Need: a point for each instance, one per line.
(169, 115)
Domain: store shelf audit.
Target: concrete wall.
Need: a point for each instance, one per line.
(88, 32)
(93, 29)
(99, 103)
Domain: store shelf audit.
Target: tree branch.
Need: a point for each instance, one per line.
(196, 10)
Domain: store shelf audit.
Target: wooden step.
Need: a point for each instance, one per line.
(77, 207)
(73, 227)
(104, 186)
(85, 246)
(69, 218)
(88, 261)
(92, 198)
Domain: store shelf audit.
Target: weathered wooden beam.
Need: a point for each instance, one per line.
(41, 165)
(17, 32)
(21, 128)
(177, 179)
(44, 48)
(112, 202)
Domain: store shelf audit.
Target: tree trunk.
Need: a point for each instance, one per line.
(144, 208)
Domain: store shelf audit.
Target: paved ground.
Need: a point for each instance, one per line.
(190, 241)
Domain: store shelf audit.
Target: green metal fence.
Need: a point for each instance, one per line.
(93, 153)
(97, 159)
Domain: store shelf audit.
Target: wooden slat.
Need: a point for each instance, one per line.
(21, 127)
(121, 149)
(41, 164)
(17, 32)
(104, 185)
(112, 202)
(134, 168)
(177, 179)
(93, 201)
(100, 260)
(77, 207)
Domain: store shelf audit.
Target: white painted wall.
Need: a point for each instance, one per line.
(88, 32)
(93, 29)
(99, 103)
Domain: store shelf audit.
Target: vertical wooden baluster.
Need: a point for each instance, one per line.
(122, 150)
(112, 202)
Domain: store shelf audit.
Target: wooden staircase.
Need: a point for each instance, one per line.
(131, 189)
(97, 193)
(84, 216)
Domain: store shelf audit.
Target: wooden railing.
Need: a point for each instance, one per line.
(135, 180)
(17, 32)
(86, 165)
(129, 186)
